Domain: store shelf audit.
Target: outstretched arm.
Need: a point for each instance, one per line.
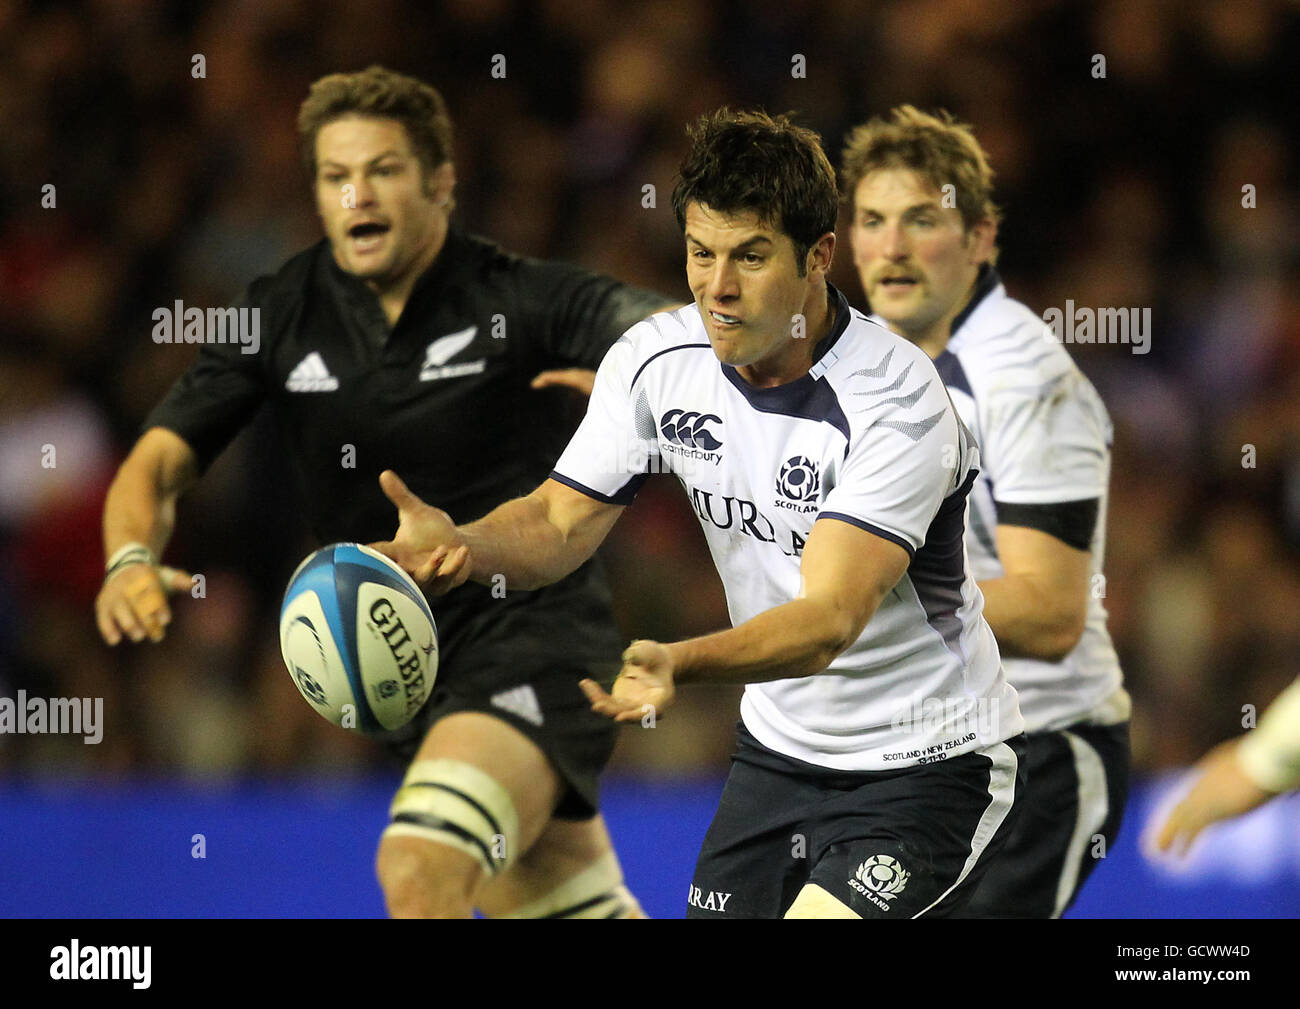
(140, 510)
(531, 541)
(846, 573)
(1239, 775)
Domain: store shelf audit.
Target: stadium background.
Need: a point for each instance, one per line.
(1119, 191)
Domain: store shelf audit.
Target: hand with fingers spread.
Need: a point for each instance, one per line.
(133, 601)
(1222, 792)
(644, 685)
(581, 380)
(427, 544)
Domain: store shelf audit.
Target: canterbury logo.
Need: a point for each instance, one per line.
(689, 429)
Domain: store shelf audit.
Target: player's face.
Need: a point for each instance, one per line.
(743, 275)
(380, 213)
(915, 258)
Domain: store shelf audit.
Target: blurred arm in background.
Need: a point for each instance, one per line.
(141, 510)
(1240, 775)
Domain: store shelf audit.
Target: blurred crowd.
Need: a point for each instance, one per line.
(1161, 176)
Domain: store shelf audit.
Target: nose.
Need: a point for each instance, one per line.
(723, 282)
(365, 192)
(894, 242)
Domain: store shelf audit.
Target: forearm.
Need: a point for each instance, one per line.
(141, 503)
(518, 541)
(137, 510)
(797, 639)
(1027, 621)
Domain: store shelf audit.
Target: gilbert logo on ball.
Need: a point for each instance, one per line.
(358, 638)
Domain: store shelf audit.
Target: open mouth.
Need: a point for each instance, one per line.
(366, 235)
(724, 320)
(898, 283)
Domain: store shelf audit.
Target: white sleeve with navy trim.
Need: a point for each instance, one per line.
(892, 484)
(607, 457)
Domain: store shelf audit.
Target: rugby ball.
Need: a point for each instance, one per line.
(358, 638)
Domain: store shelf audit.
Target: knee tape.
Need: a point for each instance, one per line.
(595, 892)
(456, 804)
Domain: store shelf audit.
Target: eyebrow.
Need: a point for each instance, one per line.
(378, 157)
(915, 208)
(756, 240)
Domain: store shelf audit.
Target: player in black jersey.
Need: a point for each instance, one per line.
(419, 346)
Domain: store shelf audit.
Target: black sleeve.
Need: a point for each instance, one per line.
(1071, 522)
(217, 396)
(579, 315)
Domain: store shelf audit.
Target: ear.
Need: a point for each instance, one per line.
(441, 182)
(820, 255)
(984, 236)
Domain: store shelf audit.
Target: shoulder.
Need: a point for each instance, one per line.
(869, 350)
(475, 253)
(880, 378)
(532, 274)
(1005, 349)
(278, 297)
(661, 343)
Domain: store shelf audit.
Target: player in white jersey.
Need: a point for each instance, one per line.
(923, 236)
(879, 750)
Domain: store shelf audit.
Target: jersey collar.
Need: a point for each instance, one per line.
(840, 305)
(364, 303)
(986, 282)
(806, 396)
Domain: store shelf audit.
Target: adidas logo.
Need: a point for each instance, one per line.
(521, 701)
(311, 375)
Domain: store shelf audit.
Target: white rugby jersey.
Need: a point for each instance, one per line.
(868, 436)
(1044, 438)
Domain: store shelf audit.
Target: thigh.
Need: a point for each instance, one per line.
(1078, 783)
(498, 756)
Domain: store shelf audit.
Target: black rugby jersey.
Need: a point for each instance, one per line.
(443, 399)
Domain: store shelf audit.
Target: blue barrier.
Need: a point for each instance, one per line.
(299, 849)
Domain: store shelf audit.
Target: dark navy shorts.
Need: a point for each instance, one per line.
(1078, 784)
(902, 843)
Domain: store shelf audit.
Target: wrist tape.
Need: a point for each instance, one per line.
(132, 553)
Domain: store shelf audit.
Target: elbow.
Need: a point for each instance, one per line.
(840, 633)
(1060, 637)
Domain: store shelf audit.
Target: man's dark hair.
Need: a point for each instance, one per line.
(751, 161)
(378, 93)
